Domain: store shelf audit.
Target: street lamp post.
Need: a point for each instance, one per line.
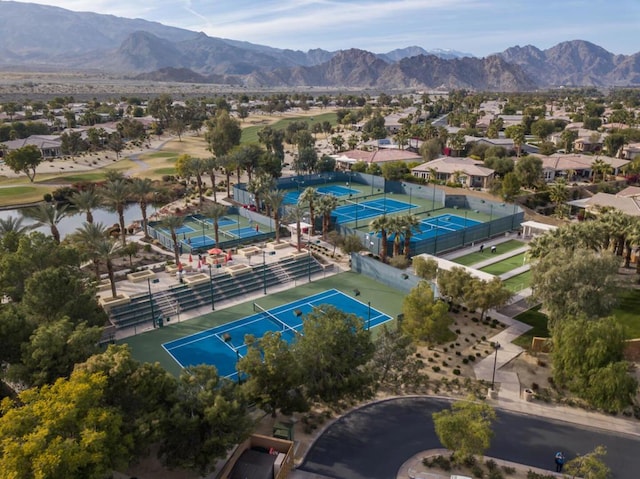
(490, 219)
(309, 262)
(369, 316)
(433, 198)
(264, 269)
(495, 361)
(153, 314)
(213, 304)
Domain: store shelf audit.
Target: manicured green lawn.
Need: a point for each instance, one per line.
(538, 320)
(519, 282)
(165, 171)
(250, 134)
(628, 312)
(16, 191)
(505, 265)
(473, 258)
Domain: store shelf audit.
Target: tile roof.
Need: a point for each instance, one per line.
(450, 164)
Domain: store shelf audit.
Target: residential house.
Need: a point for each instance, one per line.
(347, 159)
(631, 151)
(49, 145)
(588, 144)
(629, 205)
(466, 171)
(576, 167)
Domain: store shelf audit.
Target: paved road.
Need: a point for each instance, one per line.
(374, 441)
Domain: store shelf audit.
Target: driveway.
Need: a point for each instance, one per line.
(374, 441)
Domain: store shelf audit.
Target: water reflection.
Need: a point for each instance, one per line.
(72, 222)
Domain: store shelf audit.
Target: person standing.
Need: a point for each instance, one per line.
(559, 461)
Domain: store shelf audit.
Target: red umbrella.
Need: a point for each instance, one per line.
(199, 264)
(179, 266)
(190, 258)
(214, 251)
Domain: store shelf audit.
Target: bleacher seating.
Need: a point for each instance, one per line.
(139, 310)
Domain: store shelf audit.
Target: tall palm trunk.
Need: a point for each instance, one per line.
(145, 220)
(112, 279)
(123, 232)
(212, 177)
(383, 249)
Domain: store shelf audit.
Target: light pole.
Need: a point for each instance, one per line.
(153, 314)
(464, 230)
(264, 269)
(490, 219)
(213, 304)
(309, 262)
(495, 361)
(433, 199)
(369, 316)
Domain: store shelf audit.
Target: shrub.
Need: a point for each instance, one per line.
(471, 357)
(491, 464)
(465, 361)
(477, 471)
(508, 470)
(458, 353)
(442, 462)
(496, 474)
(469, 461)
(400, 262)
(436, 369)
(444, 364)
(456, 372)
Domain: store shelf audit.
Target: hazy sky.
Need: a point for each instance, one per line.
(479, 27)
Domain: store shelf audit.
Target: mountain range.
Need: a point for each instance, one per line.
(37, 36)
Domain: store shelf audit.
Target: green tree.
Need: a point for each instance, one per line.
(53, 350)
(333, 353)
(510, 186)
(215, 212)
(186, 166)
(425, 268)
(223, 133)
(310, 197)
(590, 465)
(61, 431)
(425, 319)
(207, 418)
(173, 223)
(115, 196)
(381, 225)
(583, 282)
(86, 201)
(517, 134)
(275, 199)
(542, 129)
(528, 170)
(326, 205)
(394, 362)
(142, 190)
(24, 160)
(70, 297)
(588, 360)
(452, 284)
(466, 428)
(484, 295)
(46, 214)
(141, 392)
(274, 376)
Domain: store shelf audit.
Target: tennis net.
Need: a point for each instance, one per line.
(272, 317)
(227, 234)
(363, 206)
(438, 226)
(201, 222)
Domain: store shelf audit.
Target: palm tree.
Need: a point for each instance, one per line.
(86, 201)
(211, 165)
(86, 238)
(410, 224)
(260, 185)
(105, 250)
(142, 191)
(173, 223)
(215, 211)
(274, 199)
(309, 197)
(558, 194)
(395, 229)
(326, 206)
(600, 167)
(296, 213)
(381, 225)
(13, 225)
(47, 214)
(115, 196)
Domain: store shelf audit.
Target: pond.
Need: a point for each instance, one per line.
(72, 222)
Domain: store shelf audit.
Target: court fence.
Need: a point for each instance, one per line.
(159, 233)
(383, 273)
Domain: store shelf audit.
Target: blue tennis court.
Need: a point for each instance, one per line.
(245, 232)
(369, 209)
(442, 224)
(292, 197)
(223, 345)
(180, 231)
(199, 242)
